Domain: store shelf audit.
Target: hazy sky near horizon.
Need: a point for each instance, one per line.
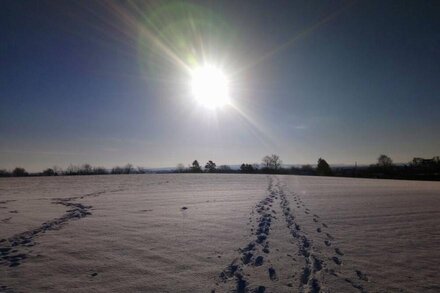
(103, 82)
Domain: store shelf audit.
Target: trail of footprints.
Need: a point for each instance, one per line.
(257, 251)
(15, 249)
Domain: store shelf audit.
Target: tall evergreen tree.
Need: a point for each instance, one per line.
(195, 168)
(210, 167)
(323, 168)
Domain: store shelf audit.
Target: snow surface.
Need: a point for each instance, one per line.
(218, 233)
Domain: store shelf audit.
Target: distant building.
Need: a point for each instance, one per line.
(426, 162)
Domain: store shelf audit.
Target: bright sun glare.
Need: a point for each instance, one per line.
(210, 87)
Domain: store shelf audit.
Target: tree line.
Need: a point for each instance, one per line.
(270, 164)
(418, 168)
(72, 170)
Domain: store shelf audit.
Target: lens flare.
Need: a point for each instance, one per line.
(210, 87)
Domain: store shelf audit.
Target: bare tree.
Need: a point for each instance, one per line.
(384, 161)
(72, 170)
(99, 170)
(276, 162)
(128, 169)
(272, 162)
(117, 170)
(19, 172)
(48, 172)
(86, 169)
(57, 170)
(266, 161)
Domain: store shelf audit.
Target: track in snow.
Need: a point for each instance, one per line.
(255, 263)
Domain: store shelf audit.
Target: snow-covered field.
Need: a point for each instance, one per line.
(206, 233)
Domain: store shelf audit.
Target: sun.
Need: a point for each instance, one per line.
(210, 87)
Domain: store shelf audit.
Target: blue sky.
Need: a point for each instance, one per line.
(84, 82)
